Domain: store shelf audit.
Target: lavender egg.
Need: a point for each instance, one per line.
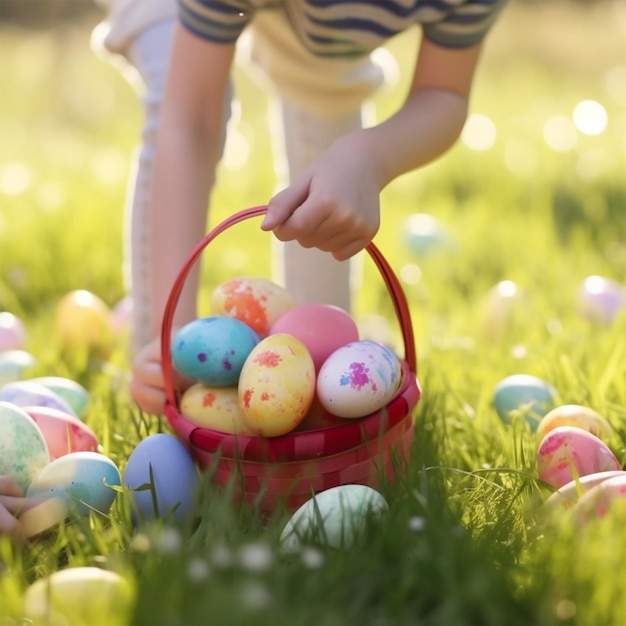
(27, 393)
(601, 299)
(212, 350)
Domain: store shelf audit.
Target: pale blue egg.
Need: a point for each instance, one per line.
(163, 478)
(86, 480)
(14, 364)
(71, 391)
(27, 393)
(334, 517)
(528, 395)
(23, 449)
(212, 350)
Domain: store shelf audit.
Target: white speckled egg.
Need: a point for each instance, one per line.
(358, 379)
(214, 407)
(257, 302)
(84, 479)
(277, 385)
(212, 350)
(566, 496)
(598, 501)
(23, 449)
(334, 517)
(160, 472)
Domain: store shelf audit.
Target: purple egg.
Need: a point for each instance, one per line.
(601, 299)
(24, 393)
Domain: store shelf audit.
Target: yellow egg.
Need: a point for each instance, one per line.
(575, 415)
(255, 301)
(81, 596)
(276, 385)
(214, 407)
(83, 322)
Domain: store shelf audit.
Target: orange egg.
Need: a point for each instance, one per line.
(575, 415)
(255, 301)
(276, 385)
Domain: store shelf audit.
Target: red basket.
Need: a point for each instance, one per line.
(287, 470)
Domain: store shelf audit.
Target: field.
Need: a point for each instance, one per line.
(533, 193)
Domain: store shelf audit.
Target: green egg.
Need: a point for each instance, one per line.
(71, 391)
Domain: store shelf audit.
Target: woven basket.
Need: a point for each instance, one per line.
(287, 470)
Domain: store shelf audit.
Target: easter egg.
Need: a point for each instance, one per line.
(83, 479)
(81, 596)
(255, 301)
(72, 392)
(335, 517)
(14, 364)
(23, 449)
(82, 322)
(29, 393)
(526, 395)
(121, 317)
(212, 350)
(322, 328)
(423, 234)
(63, 432)
(358, 379)
(567, 452)
(601, 299)
(12, 332)
(504, 305)
(575, 415)
(277, 385)
(566, 496)
(598, 501)
(214, 407)
(163, 479)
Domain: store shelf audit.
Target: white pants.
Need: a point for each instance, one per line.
(319, 100)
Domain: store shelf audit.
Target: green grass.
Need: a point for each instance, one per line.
(465, 541)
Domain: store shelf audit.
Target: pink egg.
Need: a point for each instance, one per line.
(121, 317)
(322, 328)
(63, 432)
(601, 499)
(567, 452)
(12, 332)
(566, 496)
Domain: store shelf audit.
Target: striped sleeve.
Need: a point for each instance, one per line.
(465, 25)
(221, 21)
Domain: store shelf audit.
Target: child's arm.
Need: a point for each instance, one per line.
(188, 147)
(334, 206)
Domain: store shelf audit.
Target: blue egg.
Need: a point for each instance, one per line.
(163, 478)
(85, 480)
(212, 350)
(527, 395)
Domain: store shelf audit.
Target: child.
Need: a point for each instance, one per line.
(316, 53)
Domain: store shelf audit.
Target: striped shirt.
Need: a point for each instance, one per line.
(347, 28)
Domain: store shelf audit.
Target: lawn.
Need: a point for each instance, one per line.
(533, 193)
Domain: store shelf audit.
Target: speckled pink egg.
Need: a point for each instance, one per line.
(566, 496)
(567, 452)
(12, 332)
(358, 379)
(601, 499)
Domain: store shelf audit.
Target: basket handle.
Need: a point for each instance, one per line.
(392, 283)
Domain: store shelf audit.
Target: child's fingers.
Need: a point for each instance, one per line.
(8, 487)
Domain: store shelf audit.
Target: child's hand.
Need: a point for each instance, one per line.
(334, 206)
(147, 385)
(12, 502)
